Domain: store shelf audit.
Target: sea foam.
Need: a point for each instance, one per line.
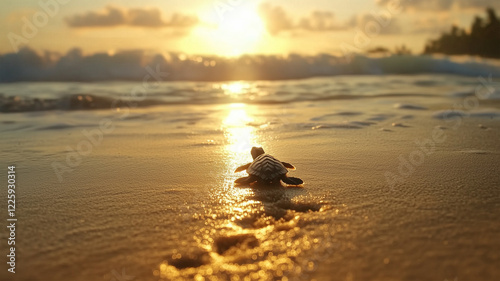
(28, 65)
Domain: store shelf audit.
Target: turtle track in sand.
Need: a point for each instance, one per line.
(262, 234)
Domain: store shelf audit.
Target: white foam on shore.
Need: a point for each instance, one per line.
(409, 106)
(483, 113)
(28, 65)
(446, 114)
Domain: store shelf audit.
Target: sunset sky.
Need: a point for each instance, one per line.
(228, 27)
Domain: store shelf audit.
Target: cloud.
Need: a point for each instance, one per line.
(319, 21)
(144, 18)
(139, 17)
(432, 25)
(480, 4)
(182, 21)
(277, 20)
(441, 5)
(110, 17)
(363, 21)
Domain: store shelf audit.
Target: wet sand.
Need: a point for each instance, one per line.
(154, 199)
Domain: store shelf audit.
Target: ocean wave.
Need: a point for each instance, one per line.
(451, 114)
(69, 102)
(28, 65)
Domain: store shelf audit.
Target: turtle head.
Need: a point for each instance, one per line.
(256, 151)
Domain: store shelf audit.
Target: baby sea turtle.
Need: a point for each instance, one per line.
(266, 169)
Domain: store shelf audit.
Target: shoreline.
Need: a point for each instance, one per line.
(155, 199)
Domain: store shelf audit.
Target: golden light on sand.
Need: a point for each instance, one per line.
(237, 116)
(241, 140)
(235, 32)
(240, 136)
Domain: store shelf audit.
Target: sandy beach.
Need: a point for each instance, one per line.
(397, 186)
(260, 140)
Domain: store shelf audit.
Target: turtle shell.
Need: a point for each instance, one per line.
(267, 168)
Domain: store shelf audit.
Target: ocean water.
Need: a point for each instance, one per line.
(150, 195)
(28, 65)
(46, 96)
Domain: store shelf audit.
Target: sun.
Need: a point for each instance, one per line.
(235, 32)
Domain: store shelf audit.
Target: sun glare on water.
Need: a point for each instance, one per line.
(235, 88)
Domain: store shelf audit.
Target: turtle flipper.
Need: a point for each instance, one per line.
(288, 165)
(246, 180)
(242, 168)
(292, 180)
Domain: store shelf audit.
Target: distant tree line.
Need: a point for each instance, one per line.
(483, 39)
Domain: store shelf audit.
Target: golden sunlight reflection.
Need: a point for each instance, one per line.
(240, 136)
(248, 231)
(235, 88)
